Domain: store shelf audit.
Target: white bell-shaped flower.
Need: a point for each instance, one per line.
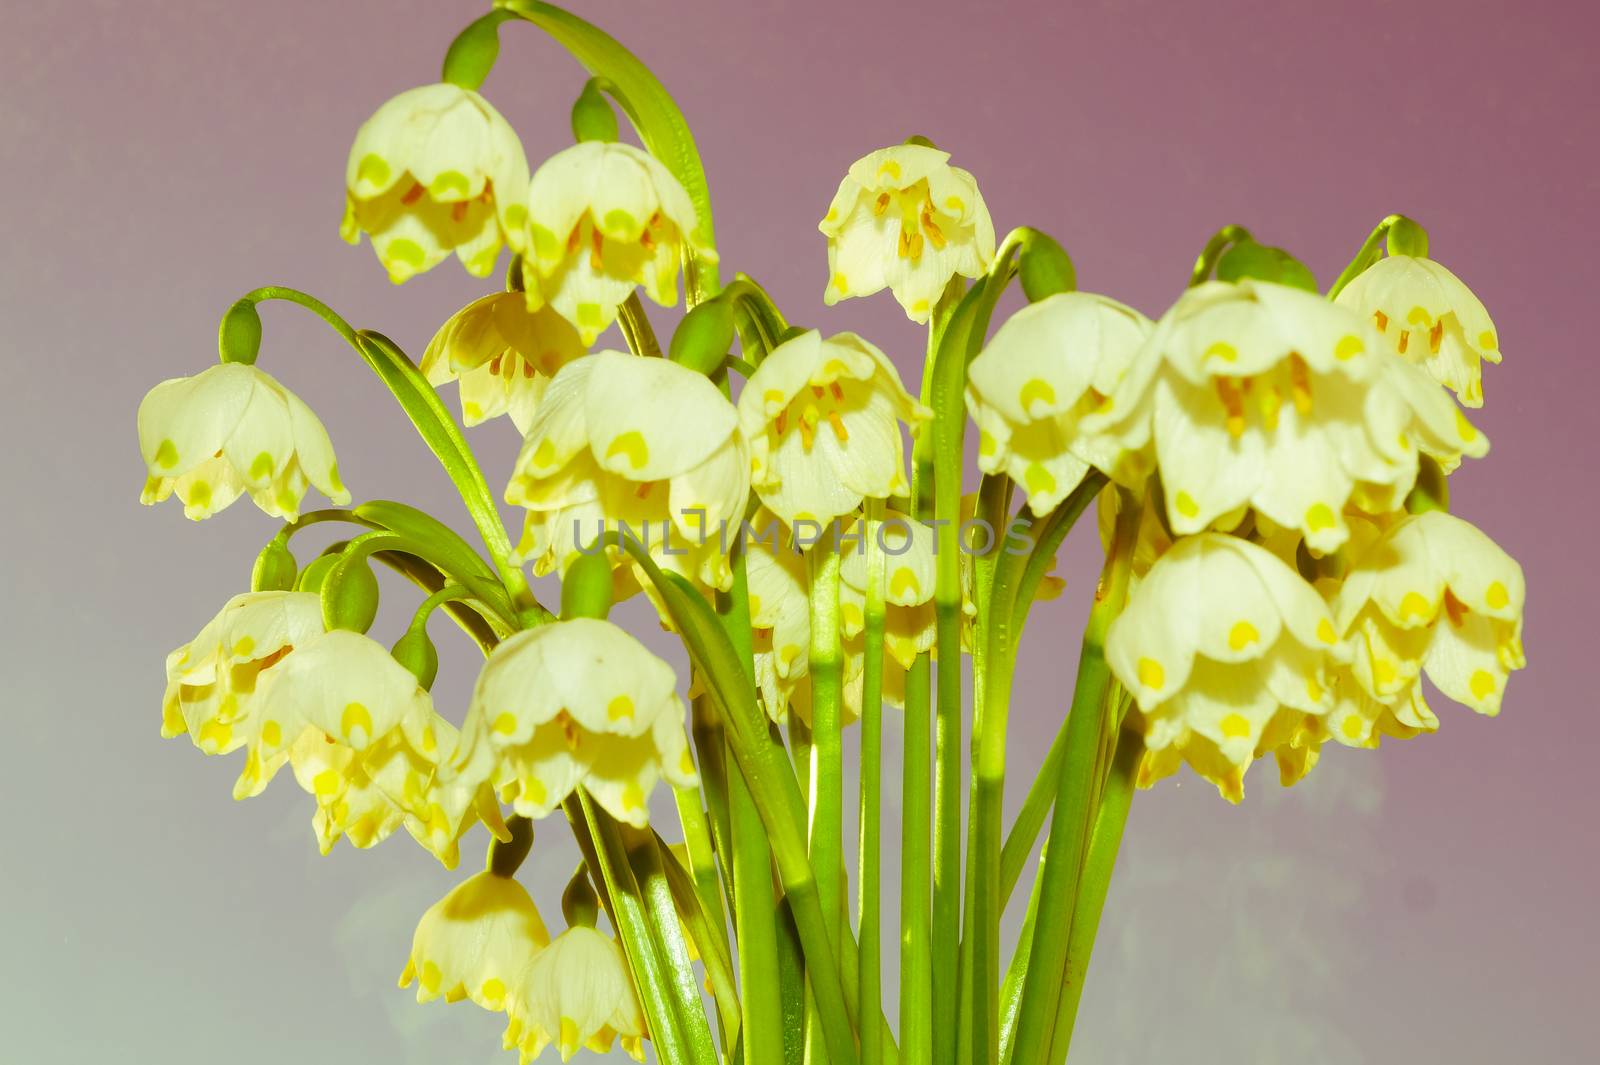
(476, 943)
(576, 993)
(503, 355)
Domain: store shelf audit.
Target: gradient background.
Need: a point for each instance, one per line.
(1431, 903)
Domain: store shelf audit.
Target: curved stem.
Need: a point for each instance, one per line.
(1364, 257)
(1220, 241)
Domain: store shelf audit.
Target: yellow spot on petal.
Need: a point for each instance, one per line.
(955, 204)
(271, 734)
(1037, 479)
(632, 797)
(1482, 684)
(1325, 632)
(620, 224)
(326, 784)
(1242, 635)
(261, 468)
(787, 654)
(1414, 605)
(1419, 316)
(631, 446)
(569, 1037)
(1036, 390)
(373, 170)
(1313, 690)
(1221, 350)
(1384, 673)
(986, 444)
(1235, 727)
(167, 455)
(1319, 516)
(430, 977)
(889, 169)
(1349, 347)
(1186, 505)
(619, 708)
(214, 735)
(590, 314)
(544, 454)
(841, 284)
(919, 307)
(355, 717)
(1352, 727)
(1488, 341)
(449, 185)
(1151, 675)
(1496, 596)
(516, 217)
(505, 724)
(1465, 429)
(405, 252)
(904, 582)
(243, 646)
(493, 992)
(200, 494)
(534, 791)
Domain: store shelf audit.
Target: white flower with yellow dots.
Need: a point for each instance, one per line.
(1228, 654)
(1430, 318)
(1046, 367)
(604, 217)
(642, 443)
(823, 420)
(576, 993)
(1359, 720)
(213, 680)
(573, 703)
(905, 219)
(1434, 595)
(476, 943)
(502, 354)
(233, 429)
(1257, 395)
(435, 170)
(780, 612)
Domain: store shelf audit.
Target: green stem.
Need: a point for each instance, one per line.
(1076, 783)
(825, 835)
(1011, 989)
(1366, 256)
(916, 962)
(869, 859)
(711, 939)
(636, 328)
(1220, 241)
(666, 935)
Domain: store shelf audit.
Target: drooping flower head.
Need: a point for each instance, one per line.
(573, 703)
(905, 219)
(1427, 316)
(1050, 364)
(780, 612)
(823, 421)
(1257, 395)
(233, 429)
(577, 992)
(502, 354)
(1433, 595)
(435, 170)
(604, 217)
(641, 442)
(476, 943)
(1227, 653)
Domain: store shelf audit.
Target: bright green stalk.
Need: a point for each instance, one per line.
(710, 746)
(712, 941)
(666, 934)
(1367, 254)
(1061, 865)
(1011, 988)
(869, 900)
(636, 329)
(916, 969)
(702, 857)
(1095, 883)
(1219, 243)
(825, 842)
(1030, 818)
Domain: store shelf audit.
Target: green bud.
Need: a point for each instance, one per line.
(1250, 259)
(592, 116)
(274, 569)
(920, 141)
(506, 855)
(417, 653)
(472, 54)
(579, 904)
(704, 337)
(311, 578)
(350, 594)
(1045, 268)
(1432, 490)
(586, 587)
(239, 336)
(1407, 237)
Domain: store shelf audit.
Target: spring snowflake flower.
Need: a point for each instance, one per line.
(435, 170)
(1428, 317)
(1359, 720)
(577, 992)
(502, 354)
(641, 443)
(604, 218)
(573, 703)
(1434, 595)
(780, 613)
(906, 219)
(823, 421)
(1048, 365)
(1256, 395)
(910, 563)
(476, 943)
(232, 429)
(1228, 654)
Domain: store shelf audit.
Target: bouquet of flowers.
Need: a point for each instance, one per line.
(1268, 467)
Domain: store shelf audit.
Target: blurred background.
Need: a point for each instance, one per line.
(1431, 903)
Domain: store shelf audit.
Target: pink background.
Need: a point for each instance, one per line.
(1430, 903)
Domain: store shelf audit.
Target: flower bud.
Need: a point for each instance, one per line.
(1045, 268)
(1432, 490)
(579, 904)
(586, 588)
(1407, 237)
(704, 337)
(350, 594)
(592, 116)
(274, 569)
(239, 336)
(417, 653)
(506, 855)
(472, 54)
(1250, 259)
(311, 578)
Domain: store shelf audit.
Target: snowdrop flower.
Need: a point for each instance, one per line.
(502, 354)
(436, 170)
(823, 421)
(603, 218)
(642, 442)
(1256, 395)
(1050, 364)
(233, 429)
(1428, 317)
(577, 992)
(573, 703)
(1227, 653)
(906, 219)
(475, 943)
(1434, 595)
